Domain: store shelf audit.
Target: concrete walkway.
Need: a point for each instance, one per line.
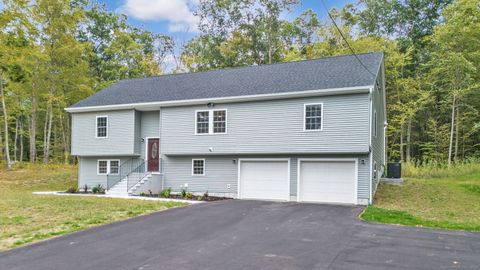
(59, 193)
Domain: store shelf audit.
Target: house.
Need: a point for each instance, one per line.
(307, 131)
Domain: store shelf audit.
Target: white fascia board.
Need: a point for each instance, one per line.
(158, 104)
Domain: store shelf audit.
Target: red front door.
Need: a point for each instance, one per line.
(153, 155)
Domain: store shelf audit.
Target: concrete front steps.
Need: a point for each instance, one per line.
(120, 189)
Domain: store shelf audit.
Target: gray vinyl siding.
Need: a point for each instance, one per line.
(221, 171)
(149, 127)
(138, 129)
(378, 150)
(121, 134)
(87, 170)
(271, 127)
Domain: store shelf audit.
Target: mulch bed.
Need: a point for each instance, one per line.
(194, 198)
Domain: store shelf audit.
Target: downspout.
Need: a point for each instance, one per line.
(370, 110)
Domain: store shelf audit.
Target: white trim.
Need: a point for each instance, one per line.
(210, 122)
(239, 187)
(375, 124)
(305, 116)
(204, 166)
(299, 161)
(146, 105)
(96, 127)
(146, 154)
(370, 154)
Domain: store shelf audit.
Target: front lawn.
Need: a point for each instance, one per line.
(451, 202)
(26, 218)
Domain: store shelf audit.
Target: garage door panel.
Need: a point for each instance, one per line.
(264, 180)
(328, 181)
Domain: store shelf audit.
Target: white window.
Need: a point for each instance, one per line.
(105, 167)
(313, 117)
(219, 121)
(198, 166)
(114, 166)
(102, 167)
(211, 122)
(375, 123)
(203, 119)
(102, 127)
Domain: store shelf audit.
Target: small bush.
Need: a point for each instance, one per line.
(184, 192)
(142, 194)
(71, 190)
(188, 195)
(205, 195)
(98, 189)
(165, 193)
(85, 188)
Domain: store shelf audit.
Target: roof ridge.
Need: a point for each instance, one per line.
(249, 66)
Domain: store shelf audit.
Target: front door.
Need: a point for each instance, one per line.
(153, 155)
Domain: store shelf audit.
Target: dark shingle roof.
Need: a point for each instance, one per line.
(315, 74)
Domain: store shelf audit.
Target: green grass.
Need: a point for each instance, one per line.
(27, 218)
(451, 201)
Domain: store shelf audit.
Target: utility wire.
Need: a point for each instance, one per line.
(343, 37)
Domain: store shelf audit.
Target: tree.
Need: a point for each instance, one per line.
(237, 33)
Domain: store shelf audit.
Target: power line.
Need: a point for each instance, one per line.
(346, 41)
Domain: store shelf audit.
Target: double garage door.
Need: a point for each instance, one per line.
(328, 181)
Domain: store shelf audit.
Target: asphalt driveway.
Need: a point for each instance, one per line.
(251, 235)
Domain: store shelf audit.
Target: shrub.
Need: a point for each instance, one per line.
(98, 189)
(188, 195)
(183, 192)
(85, 188)
(205, 195)
(165, 193)
(142, 194)
(71, 190)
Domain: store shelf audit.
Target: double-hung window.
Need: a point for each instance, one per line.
(102, 127)
(105, 166)
(313, 117)
(198, 167)
(219, 121)
(211, 122)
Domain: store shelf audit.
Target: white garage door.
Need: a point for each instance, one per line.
(264, 179)
(328, 181)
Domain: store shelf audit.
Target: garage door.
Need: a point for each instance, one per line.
(264, 179)
(328, 181)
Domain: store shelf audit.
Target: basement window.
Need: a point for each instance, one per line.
(102, 167)
(198, 167)
(114, 165)
(105, 166)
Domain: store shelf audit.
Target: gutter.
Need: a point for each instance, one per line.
(156, 105)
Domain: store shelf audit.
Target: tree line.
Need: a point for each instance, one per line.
(54, 53)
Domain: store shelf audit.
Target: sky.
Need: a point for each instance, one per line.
(175, 17)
